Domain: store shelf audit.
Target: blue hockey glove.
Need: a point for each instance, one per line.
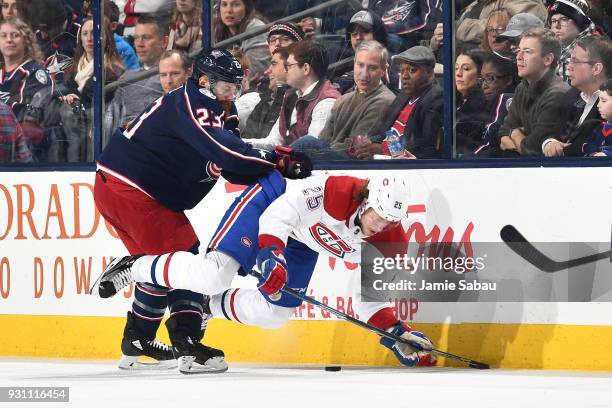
(408, 355)
(273, 267)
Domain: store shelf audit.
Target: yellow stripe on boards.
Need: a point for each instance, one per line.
(536, 346)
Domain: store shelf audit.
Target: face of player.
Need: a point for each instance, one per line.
(9, 9)
(276, 71)
(232, 12)
(565, 28)
(414, 77)
(466, 75)
(372, 223)
(530, 62)
(171, 73)
(12, 42)
(149, 44)
(605, 106)
(87, 38)
(360, 34)
(368, 70)
(185, 6)
(226, 91)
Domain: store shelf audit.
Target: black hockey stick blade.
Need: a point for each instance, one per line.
(380, 332)
(523, 248)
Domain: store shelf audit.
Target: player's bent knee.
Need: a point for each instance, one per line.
(277, 317)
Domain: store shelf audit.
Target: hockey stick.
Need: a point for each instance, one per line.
(380, 332)
(523, 248)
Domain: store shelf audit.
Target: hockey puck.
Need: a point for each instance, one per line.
(333, 368)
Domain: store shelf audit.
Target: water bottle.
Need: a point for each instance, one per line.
(394, 143)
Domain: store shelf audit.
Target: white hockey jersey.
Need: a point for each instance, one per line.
(321, 212)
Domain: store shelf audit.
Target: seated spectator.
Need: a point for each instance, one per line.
(175, 67)
(471, 23)
(21, 72)
(13, 145)
(56, 31)
(538, 102)
(518, 24)
(65, 116)
(131, 10)
(9, 9)
(186, 26)
(308, 103)
(363, 26)
(239, 16)
(471, 118)
(150, 41)
(266, 100)
(499, 80)
(404, 20)
(496, 25)
(125, 50)
(590, 67)
(327, 21)
(357, 112)
(283, 35)
(416, 113)
(569, 21)
(599, 144)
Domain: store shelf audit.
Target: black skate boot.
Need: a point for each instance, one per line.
(193, 357)
(116, 276)
(135, 345)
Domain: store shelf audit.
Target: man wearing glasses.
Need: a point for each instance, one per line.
(569, 21)
(589, 68)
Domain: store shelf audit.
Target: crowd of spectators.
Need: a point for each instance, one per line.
(532, 77)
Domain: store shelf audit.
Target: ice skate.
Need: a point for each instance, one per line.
(134, 345)
(193, 357)
(116, 276)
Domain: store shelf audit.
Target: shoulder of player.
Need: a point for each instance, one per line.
(341, 195)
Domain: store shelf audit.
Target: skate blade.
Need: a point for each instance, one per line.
(132, 363)
(213, 365)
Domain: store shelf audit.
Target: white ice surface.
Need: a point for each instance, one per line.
(100, 384)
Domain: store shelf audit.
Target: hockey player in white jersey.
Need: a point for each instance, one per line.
(298, 220)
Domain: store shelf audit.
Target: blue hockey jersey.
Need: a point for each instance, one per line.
(19, 86)
(173, 149)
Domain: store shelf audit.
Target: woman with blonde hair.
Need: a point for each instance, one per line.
(72, 141)
(22, 73)
(496, 24)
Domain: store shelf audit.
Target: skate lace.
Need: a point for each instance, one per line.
(158, 345)
(122, 279)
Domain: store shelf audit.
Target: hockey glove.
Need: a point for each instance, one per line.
(408, 355)
(273, 268)
(292, 164)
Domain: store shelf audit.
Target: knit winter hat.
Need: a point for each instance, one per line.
(574, 9)
(290, 30)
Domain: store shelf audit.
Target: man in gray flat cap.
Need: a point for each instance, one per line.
(517, 25)
(416, 114)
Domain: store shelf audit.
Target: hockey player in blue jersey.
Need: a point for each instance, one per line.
(163, 163)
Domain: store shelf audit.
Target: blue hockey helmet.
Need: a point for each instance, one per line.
(218, 65)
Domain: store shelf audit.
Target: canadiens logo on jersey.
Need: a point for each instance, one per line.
(325, 237)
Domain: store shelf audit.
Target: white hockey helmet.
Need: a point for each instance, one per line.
(388, 196)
